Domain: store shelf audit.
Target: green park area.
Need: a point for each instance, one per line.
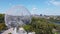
(38, 25)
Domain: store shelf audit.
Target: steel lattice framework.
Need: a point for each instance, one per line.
(17, 16)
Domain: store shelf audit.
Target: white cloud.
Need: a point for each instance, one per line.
(56, 3)
(35, 10)
(1, 9)
(46, 11)
(53, 2)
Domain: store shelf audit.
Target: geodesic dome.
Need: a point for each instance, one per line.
(17, 16)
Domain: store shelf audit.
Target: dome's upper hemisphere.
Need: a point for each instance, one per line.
(17, 16)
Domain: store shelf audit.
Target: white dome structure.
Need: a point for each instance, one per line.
(18, 11)
(17, 16)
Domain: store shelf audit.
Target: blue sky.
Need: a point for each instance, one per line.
(47, 7)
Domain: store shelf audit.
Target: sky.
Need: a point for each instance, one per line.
(45, 7)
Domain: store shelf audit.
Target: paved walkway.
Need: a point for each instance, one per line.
(8, 31)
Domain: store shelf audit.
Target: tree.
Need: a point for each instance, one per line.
(2, 26)
(1, 18)
(40, 26)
